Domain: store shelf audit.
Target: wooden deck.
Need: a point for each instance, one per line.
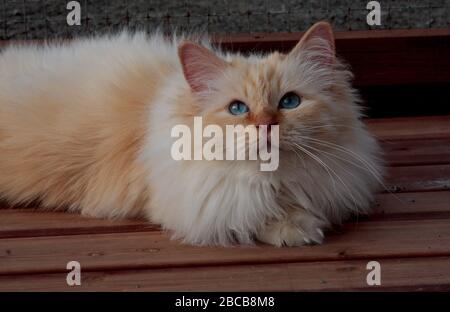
(409, 235)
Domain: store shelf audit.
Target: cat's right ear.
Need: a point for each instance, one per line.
(200, 66)
(317, 45)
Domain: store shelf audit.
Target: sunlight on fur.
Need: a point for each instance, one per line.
(85, 126)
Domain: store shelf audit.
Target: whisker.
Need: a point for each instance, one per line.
(370, 168)
(347, 151)
(318, 161)
(332, 171)
(334, 161)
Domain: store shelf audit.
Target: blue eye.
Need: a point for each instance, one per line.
(289, 100)
(238, 108)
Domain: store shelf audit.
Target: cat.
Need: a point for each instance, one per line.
(85, 126)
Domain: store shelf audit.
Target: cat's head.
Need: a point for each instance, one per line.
(306, 91)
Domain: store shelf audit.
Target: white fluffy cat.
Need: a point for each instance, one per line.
(85, 126)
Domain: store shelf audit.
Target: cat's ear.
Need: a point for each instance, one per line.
(317, 44)
(200, 66)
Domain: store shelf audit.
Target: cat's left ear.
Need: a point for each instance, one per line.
(317, 43)
(201, 66)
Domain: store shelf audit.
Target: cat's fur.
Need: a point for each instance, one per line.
(86, 125)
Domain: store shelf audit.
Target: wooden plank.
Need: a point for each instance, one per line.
(32, 222)
(365, 240)
(426, 127)
(418, 178)
(413, 274)
(424, 203)
(416, 152)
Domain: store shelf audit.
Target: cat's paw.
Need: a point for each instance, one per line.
(298, 230)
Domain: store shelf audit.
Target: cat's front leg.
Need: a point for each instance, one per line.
(298, 228)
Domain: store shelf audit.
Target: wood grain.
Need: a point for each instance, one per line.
(418, 178)
(424, 203)
(416, 152)
(401, 128)
(32, 223)
(383, 239)
(413, 274)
